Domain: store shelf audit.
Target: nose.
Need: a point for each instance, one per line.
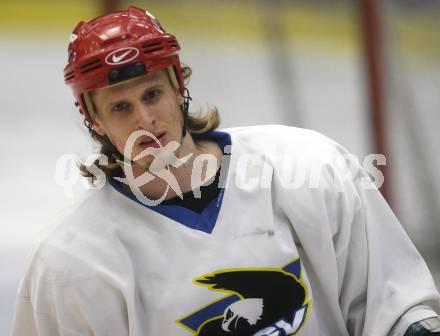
(144, 118)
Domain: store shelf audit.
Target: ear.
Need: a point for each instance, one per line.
(98, 127)
(180, 99)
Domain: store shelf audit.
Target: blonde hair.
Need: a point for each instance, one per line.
(195, 123)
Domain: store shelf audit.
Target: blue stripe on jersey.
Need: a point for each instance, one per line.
(204, 221)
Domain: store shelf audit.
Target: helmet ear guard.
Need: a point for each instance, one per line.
(87, 100)
(172, 74)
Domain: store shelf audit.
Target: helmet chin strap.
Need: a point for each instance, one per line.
(185, 108)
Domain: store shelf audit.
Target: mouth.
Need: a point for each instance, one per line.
(147, 142)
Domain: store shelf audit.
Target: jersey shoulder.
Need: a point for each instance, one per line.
(278, 141)
(280, 134)
(63, 249)
(305, 164)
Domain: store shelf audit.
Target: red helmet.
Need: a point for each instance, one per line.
(116, 47)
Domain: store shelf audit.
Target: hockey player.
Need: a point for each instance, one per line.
(202, 232)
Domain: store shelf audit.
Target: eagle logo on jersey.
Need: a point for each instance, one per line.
(261, 302)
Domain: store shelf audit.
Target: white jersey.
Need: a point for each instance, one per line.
(285, 249)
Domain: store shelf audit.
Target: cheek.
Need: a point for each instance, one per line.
(118, 137)
(170, 108)
(120, 145)
(175, 115)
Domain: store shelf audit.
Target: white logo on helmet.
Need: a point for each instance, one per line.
(73, 38)
(122, 55)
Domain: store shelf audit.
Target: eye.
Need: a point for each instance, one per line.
(151, 95)
(120, 106)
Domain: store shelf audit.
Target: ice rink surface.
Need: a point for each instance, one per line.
(39, 125)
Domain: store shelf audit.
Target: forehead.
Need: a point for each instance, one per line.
(154, 78)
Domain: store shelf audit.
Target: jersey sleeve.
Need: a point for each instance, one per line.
(24, 322)
(385, 285)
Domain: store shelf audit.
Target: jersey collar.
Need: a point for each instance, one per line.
(205, 221)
